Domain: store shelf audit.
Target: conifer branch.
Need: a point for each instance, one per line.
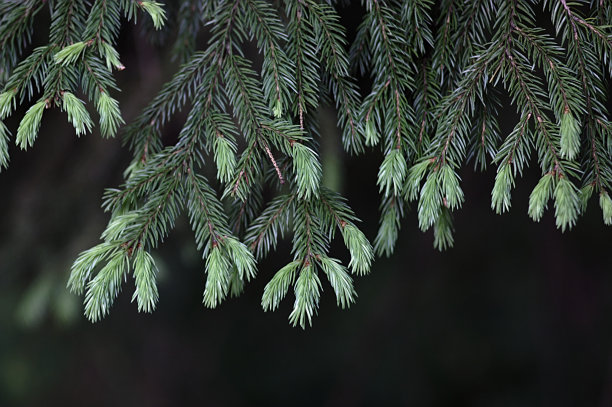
(443, 58)
(273, 161)
(263, 232)
(576, 47)
(277, 68)
(252, 98)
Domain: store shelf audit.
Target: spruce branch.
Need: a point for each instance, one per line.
(30, 124)
(277, 69)
(4, 154)
(425, 82)
(302, 48)
(339, 279)
(16, 29)
(26, 80)
(146, 292)
(581, 57)
(265, 231)
(278, 286)
(330, 34)
(105, 286)
(67, 22)
(157, 13)
(77, 113)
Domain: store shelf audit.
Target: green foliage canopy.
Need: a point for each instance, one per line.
(437, 73)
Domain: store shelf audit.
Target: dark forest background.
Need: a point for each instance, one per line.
(516, 314)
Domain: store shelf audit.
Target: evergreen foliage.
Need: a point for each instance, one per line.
(435, 75)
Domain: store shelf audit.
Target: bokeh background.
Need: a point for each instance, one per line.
(516, 314)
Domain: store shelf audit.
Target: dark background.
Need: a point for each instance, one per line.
(516, 314)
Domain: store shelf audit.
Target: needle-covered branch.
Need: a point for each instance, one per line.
(234, 141)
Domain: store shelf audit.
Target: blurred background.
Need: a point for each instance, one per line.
(516, 314)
